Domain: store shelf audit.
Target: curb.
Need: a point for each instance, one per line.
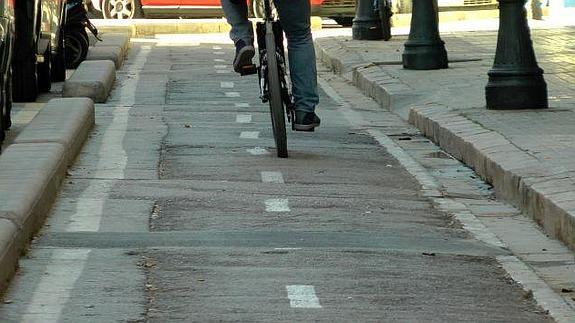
(546, 195)
(32, 170)
(92, 79)
(151, 27)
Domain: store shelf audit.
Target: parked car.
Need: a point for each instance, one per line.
(341, 10)
(40, 47)
(6, 51)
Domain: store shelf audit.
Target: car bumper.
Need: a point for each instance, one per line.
(334, 8)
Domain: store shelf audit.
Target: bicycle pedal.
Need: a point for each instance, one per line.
(248, 70)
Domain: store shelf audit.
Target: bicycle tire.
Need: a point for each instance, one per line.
(275, 97)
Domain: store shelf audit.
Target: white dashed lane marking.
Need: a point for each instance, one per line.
(244, 118)
(250, 134)
(219, 53)
(222, 71)
(272, 177)
(258, 151)
(216, 47)
(302, 296)
(232, 94)
(242, 105)
(219, 60)
(277, 205)
(227, 85)
(220, 67)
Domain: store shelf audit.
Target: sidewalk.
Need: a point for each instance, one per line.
(526, 155)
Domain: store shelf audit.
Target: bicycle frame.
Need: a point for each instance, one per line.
(271, 25)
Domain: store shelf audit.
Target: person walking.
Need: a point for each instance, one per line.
(294, 17)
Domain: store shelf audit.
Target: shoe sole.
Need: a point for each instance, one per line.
(244, 58)
(305, 127)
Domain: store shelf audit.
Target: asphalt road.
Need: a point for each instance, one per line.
(178, 210)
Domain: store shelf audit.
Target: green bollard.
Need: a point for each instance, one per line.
(366, 24)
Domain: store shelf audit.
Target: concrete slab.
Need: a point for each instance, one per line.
(111, 53)
(92, 79)
(66, 121)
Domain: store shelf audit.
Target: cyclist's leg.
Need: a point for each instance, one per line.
(295, 20)
(236, 13)
(242, 34)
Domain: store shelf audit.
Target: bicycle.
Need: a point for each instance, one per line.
(272, 76)
(383, 9)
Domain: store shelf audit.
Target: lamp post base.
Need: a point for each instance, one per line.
(418, 56)
(516, 92)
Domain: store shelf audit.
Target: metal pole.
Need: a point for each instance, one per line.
(424, 49)
(366, 24)
(515, 80)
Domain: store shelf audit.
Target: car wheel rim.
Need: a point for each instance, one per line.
(121, 9)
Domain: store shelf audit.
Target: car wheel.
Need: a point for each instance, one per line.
(344, 21)
(76, 46)
(24, 80)
(59, 60)
(45, 71)
(121, 9)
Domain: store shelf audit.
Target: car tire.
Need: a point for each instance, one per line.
(344, 21)
(7, 122)
(45, 71)
(59, 60)
(24, 80)
(131, 9)
(76, 46)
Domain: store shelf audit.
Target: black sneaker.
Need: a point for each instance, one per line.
(244, 55)
(306, 121)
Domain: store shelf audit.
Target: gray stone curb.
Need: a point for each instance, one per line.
(32, 170)
(30, 176)
(110, 53)
(546, 195)
(92, 79)
(121, 40)
(65, 121)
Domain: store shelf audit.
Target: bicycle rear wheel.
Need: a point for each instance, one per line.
(275, 97)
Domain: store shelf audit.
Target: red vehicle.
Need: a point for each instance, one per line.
(340, 10)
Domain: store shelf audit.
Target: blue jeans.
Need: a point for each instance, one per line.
(295, 20)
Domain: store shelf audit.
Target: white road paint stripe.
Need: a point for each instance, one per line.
(258, 151)
(55, 286)
(227, 85)
(219, 53)
(219, 60)
(250, 134)
(220, 67)
(302, 296)
(112, 158)
(242, 105)
(222, 71)
(244, 118)
(277, 205)
(272, 177)
(545, 296)
(217, 47)
(287, 248)
(232, 94)
(557, 306)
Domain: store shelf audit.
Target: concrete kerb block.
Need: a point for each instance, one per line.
(92, 79)
(121, 40)
(66, 121)
(30, 178)
(10, 251)
(110, 53)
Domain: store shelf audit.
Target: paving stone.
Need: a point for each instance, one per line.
(110, 53)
